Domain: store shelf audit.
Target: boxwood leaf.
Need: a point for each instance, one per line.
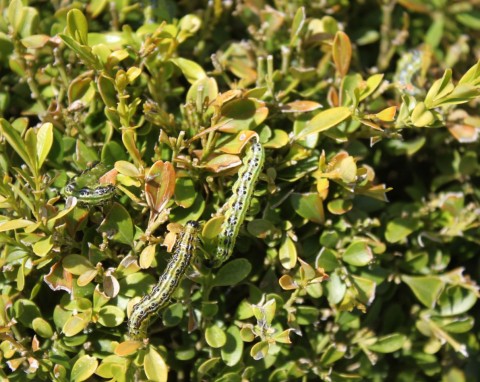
(389, 343)
(325, 120)
(427, 289)
(232, 351)
(358, 253)
(118, 225)
(232, 272)
(83, 368)
(215, 336)
(155, 367)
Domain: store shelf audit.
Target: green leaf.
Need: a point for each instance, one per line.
(83, 51)
(435, 32)
(83, 368)
(77, 26)
(114, 367)
(421, 116)
(111, 316)
(232, 351)
(472, 76)
(373, 82)
(76, 324)
(206, 366)
(203, 92)
(358, 253)
(440, 89)
(242, 114)
(77, 264)
(364, 289)
(389, 343)
(309, 206)
(399, 228)
(328, 260)
(456, 300)
(107, 90)
(42, 327)
(278, 140)
(427, 289)
(189, 25)
(42, 248)
(336, 289)
(215, 336)
(461, 94)
(194, 212)
(307, 315)
(340, 206)
(8, 225)
(25, 311)
(333, 353)
(185, 192)
(232, 272)
(324, 121)
(44, 142)
(36, 41)
(288, 253)
(190, 69)
(173, 314)
(31, 147)
(132, 73)
(458, 324)
(155, 367)
(297, 26)
(118, 225)
(15, 15)
(471, 18)
(259, 350)
(269, 309)
(14, 139)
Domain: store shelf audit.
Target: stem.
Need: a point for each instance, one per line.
(292, 299)
(61, 66)
(385, 30)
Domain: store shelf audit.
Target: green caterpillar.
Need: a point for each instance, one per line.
(159, 298)
(237, 205)
(86, 187)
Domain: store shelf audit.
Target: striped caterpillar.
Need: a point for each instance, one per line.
(160, 296)
(237, 205)
(409, 68)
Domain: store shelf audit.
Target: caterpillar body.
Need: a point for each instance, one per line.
(159, 298)
(237, 205)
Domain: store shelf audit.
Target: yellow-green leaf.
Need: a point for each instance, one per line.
(155, 367)
(288, 253)
(83, 368)
(14, 224)
(325, 120)
(77, 26)
(44, 142)
(190, 69)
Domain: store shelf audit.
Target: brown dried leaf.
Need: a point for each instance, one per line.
(159, 185)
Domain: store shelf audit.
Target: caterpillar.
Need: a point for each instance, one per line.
(238, 203)
(159, 298)
(88, 189)
(409, 68)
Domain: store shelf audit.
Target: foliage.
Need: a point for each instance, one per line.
(352, 101)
